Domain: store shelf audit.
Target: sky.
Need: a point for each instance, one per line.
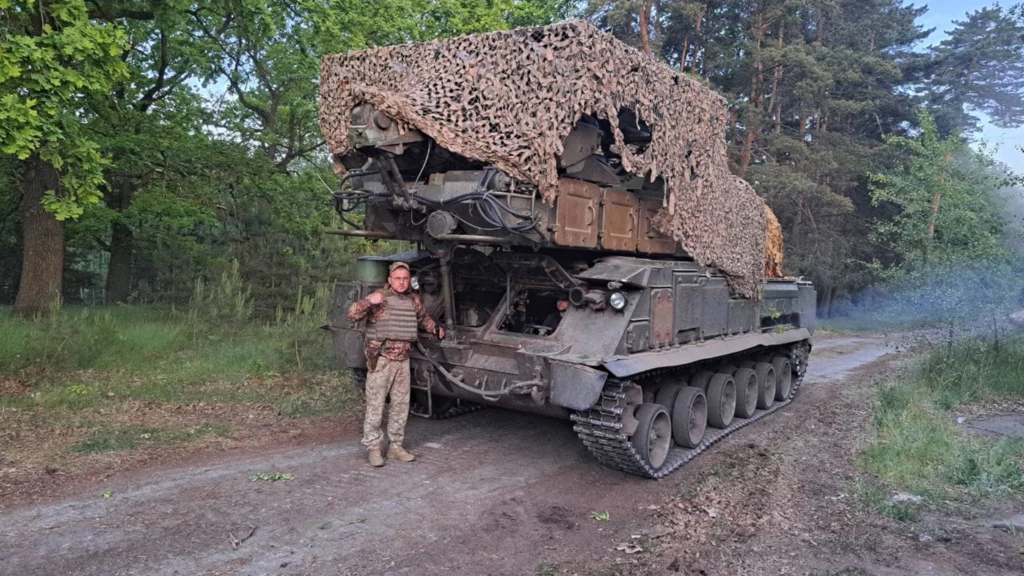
(940, 15)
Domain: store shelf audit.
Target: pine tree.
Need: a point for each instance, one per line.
(979, 68)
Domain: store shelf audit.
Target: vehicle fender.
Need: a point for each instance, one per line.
(575, 386)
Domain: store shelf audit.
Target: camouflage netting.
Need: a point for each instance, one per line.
(511, 98)
(772, 245)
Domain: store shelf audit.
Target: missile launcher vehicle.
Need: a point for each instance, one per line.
(575, 228)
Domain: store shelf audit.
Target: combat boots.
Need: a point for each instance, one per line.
(376, 460)
(396, 452)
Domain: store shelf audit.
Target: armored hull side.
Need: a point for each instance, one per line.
(677, 332)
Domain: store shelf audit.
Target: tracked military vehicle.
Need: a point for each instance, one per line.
(573, 224)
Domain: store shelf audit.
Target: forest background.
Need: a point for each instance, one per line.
(151, 148)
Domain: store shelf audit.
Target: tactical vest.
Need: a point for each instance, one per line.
(397, 323)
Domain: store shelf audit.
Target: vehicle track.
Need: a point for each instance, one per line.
(600, 429)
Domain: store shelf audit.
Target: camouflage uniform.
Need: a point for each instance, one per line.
(390, 375)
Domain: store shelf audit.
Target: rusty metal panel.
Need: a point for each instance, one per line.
(576, 213)
(651, 241)
(662, 316)
(620, 219)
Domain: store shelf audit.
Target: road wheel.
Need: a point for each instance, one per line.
(653, 436)
(667, 396)
(701, 380)
(689, 417)
(746, 392)
(721, 398)
(765, 385)
(783, 377)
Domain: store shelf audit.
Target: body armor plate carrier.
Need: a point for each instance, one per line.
(397, 323)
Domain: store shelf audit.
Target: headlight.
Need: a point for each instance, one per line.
(617, 300)
(414, 282)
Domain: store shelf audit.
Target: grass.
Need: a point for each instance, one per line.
(80, 357)
(919, 448)
(876, 498)
(134, 340)
(134, 436)
(72, 375)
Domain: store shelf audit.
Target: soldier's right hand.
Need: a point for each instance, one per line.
(376, 298)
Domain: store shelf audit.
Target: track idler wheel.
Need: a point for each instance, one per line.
(783, 377)
(653, 436)
(689, 417)
(746, 392)
(721, 399)
(766, 382)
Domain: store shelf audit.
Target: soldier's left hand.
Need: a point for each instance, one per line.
(440, 333)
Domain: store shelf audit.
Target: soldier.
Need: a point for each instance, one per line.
(393, 316)
(553, 319)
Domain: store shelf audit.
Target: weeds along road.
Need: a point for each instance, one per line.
(493, 492)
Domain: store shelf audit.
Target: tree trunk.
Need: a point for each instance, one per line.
(685, 52)
(935, 214)
(776, 99)
(797, 229)
(645, 22)
(935, 205)
(751, 124)
(119, 271)
(748, 145)
(122, 243)
(43, 264)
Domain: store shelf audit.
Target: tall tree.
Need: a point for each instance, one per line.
(145, 119)
(942, 192)
(54, 57)
(978, 68)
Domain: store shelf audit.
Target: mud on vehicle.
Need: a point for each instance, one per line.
(574, 296)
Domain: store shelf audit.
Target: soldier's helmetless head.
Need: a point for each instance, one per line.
(399, 278)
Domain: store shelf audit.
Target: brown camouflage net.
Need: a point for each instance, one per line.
(772, 245)
(511, 98)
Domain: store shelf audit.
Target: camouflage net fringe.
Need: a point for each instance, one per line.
(511, 98)
(772, 245)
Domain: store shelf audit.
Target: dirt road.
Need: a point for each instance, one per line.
(492, 493)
